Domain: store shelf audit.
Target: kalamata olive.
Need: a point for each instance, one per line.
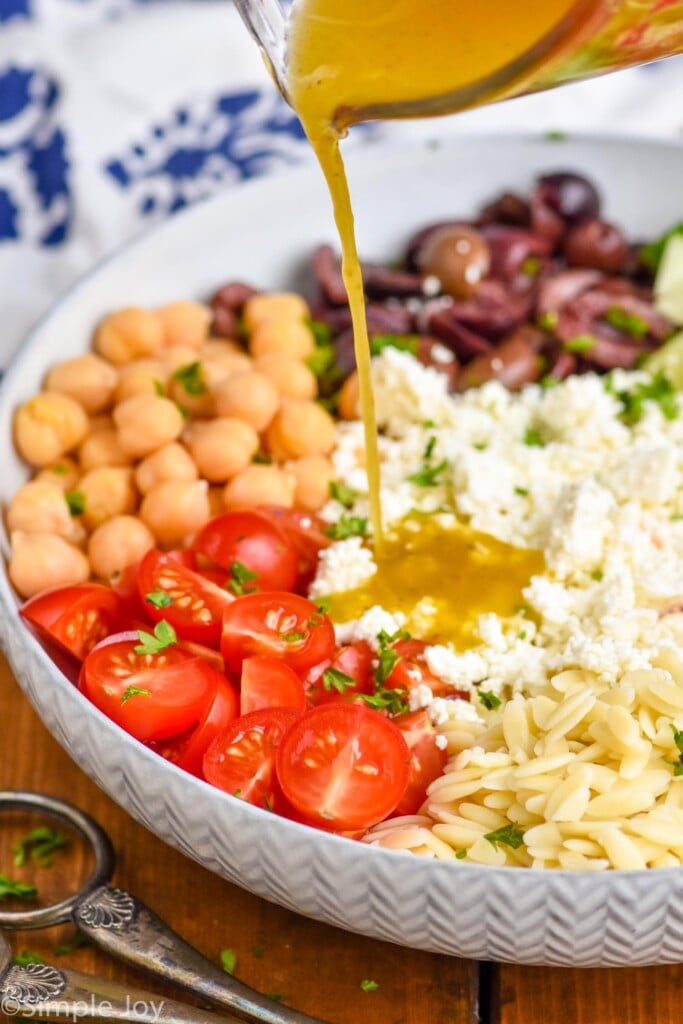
(556, 290)
(232, 296)
(560, 363)
(458, 256)
(508, 209)
(381, 319)
(514, 363)
(570, 195)
(511, 247)
(327, 269)
(386, 283)
(431, 352)
(596, 243)
(465, 343)
(495, 309)
(613, 354)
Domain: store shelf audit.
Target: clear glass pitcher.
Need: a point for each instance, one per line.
(595, 36)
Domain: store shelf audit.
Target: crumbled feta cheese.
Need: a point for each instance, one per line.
(343, 566)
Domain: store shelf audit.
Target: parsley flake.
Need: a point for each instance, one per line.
(368, 985)
(597, 575)
(403, 342)
(12, 889)
(531, 266)
(342, 493)
(159, 599)
(533, 438)
(461, 854)
(240, 576)
(78, 941)
(335, 679)
(76, 502)
(159, 388)
(261, 459)
(651, 254)
(508, 835)
(548, 321)
(322, 332)
(293, 637)
(628, 322)
(489, 699)
(658, 389)
(428, 476)
(27, 957)
(228, 960)
(678, 740)
(384, 699)
(190, 378)
(580, 344)
(164, 636)
(522, 491)
(39, 845)
(59, 470)
(134, 691)
(348, 526)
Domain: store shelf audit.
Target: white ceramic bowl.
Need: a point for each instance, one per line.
(264, 232)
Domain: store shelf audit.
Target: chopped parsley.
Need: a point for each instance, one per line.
(277, 997)
(548, 382)
(322, 332)
(628, 322)
(678, 740)
(10, 888)
(27, 957)
(580, 344)
(321, 362)
(403, 342)
(164, 636)
(461, 854)
(428, 476)
(348, 526)
(651, 254)
(368, 985)
(228, 960)
(59, 470)
(508, 835)
(258, 952)
(134, 691)
(597, 575)
(190, 378)
(555, 136)
(240, 578)
(261, 458)
(384, 699)
(429, 448)
(481, 446)
(342, 493)
(76, 502)
(335, 679)
(548, 321)
(78, 941)
(531, 266)
(159, 388)
(159, 599)
(522, 491)
(293, 636)
(658, 389)
(39, 845)
(489, 699)
(533, 438)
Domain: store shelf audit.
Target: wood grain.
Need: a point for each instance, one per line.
(316, 968)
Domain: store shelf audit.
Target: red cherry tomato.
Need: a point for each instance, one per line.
(427, 760)
(276, 625)
(241, 760)
(196, 602)
(188, 751)
(125, 586)
(353, 662)
(76, 618)
(411, 671)
(344, 766)
(151, 696)
(239, 541)
(306, 531)
(269, 683)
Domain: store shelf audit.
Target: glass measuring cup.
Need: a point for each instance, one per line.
(592, 37)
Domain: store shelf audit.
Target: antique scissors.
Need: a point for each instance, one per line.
(126, 928)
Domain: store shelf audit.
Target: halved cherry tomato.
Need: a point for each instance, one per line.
(151, 696)
(306, 531)
(239, 541)
(188, 751)
(276, 625)
(125, 586)
(411, 671)
(427, 760)
(353, 662)
(196, 602)
(344, 766)
(76, 618)
(269, 683)
(241, 760)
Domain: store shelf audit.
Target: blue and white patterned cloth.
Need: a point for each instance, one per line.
(116, 113)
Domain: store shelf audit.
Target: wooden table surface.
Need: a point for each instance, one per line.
(314, 967)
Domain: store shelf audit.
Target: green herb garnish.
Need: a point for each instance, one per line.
(159, 388)
(428, 476)
(597, 575)
(78, 941)
(580, 344)
(489, 699)
(12, 889)
(678, 740)
(228, 960)
(134, 691)
(555, 136)
(27, 957)
(240, 578)
(384, 699)
(531, 266)
(548, 321)
(261, 459)
(322, 332)
(342, 493)
(508, 835)
(258, 952)
(651, 254)
(190, 378)
(76, 502)
(39, 845)
(533, 438)
(164, 636)
(403, 342)
(348, 526)
(658, 389)
(368, 985)
(334, 679)
(522, 491)
(159, 599)
(293, 636)
(628, 322)
(461, 854)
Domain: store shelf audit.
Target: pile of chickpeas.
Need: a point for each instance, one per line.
(139, 443)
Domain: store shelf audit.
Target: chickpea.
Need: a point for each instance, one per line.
(279, 306)
(141, 377)
(129, 334)
(260, 485)
(300, 428)
(312, 476)
(48, 426)
(102, 449)
(87, 379)
(187, 386)
(219, 364)
(185, 323)
(291, 377)
(250, 397)
(215, 346)
(349, 397)
(221, 447)
(290, 336)
(41, 561)
(101, 422)
(175, 509)
(177, 356)
(40, 507)
(108, 491)
(118, 543)
(172, 462)
(146, 422)
(63, 474)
